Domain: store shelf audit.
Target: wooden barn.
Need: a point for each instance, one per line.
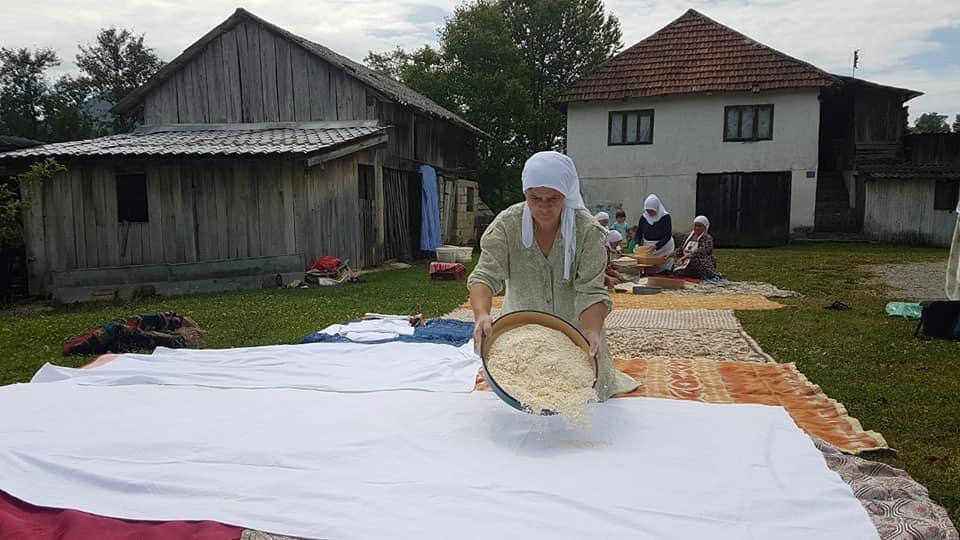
(914, 200)
(258, 152)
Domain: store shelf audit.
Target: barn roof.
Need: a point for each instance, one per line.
(910, 171)
(9, 142)
(694, 54)
(382, 83)
(209, 140)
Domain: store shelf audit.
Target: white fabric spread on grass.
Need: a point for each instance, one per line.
(416, 465)
(371, 330)
(332, 367)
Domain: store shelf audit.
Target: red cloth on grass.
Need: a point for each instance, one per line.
(23, 521)
(327, 263)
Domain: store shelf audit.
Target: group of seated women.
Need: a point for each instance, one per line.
(653, 236)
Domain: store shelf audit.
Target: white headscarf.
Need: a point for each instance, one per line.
(614, 236)
(555, 171)
(653, 203)
(602, 216)
(706, 227)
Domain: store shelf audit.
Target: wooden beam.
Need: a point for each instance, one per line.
(319, 159)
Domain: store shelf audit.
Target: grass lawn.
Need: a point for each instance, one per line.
(907, 389)
(234, 319)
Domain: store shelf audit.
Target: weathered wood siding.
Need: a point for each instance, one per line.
(251, 74)
(199, 211)
(902, 212)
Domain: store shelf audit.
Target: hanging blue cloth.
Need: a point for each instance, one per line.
(430, 238)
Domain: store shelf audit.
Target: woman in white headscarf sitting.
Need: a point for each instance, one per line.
(655, 232)
(695, 257)
(603, 219)
(550, 254)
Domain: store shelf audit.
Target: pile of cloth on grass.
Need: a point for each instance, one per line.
(137, 332)
(325, 271)
(378, 328)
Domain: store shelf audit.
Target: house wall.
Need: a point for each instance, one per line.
(200, 211)
(902, 212)
(688, 139)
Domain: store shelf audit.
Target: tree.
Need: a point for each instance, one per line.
(116, 64)
(24, 91)
(391, 63)
(67, 116)
(931, 123)
(559, 41)
(956, 124)
(500, 65)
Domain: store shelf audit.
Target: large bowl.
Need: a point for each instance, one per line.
(520, 318)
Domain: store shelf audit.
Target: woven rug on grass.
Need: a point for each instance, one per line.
(717, 345)
(748, 382)
(661, 319)
(677, 301)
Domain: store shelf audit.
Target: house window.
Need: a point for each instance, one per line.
(471, 194)
(748, 123)
(630, 127)
(945, 195)
(132, 198)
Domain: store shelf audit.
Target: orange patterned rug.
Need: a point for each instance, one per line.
(749, 382)
(678, 301)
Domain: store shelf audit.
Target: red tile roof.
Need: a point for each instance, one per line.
(695, 54)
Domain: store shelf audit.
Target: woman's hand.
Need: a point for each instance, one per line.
(593, 338)
(481, 330)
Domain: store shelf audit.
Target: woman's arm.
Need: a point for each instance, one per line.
(705, 247)
(666, 226)
(591, 322)
(592, 301)
(487, 279)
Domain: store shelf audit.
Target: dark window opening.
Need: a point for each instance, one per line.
(368, 182)
(132, 198)
(748, 123)
(630, 127)
(945, 195)
(471, 195)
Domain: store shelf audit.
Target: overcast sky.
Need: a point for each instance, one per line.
(914, 44)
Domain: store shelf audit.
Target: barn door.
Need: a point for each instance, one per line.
(367, 189)
(746, 209)
(395, 196)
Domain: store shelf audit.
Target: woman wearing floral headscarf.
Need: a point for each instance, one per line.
(695, 257)
(548, 252)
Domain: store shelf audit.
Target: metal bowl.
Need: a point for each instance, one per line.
(520, 318)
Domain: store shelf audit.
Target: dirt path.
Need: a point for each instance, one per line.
(912, 282)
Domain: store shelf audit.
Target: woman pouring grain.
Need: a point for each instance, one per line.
(550, 254)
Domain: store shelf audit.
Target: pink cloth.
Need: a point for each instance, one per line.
(23, 521)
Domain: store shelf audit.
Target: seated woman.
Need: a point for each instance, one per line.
(611, 276)
(695, 258)
(656, 230)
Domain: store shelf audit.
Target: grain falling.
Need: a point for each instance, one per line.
(545, 371)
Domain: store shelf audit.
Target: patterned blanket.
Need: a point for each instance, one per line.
(675, 300)
(749, 382)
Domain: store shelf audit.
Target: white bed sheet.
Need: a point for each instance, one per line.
(420, 465)
(331, 367)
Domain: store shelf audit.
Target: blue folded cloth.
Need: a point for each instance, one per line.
(443, 331)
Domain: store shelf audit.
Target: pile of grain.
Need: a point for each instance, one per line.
(544, 370)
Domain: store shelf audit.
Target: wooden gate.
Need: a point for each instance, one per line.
(746, 209)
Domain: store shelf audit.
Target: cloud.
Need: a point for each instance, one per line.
(822, 32)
